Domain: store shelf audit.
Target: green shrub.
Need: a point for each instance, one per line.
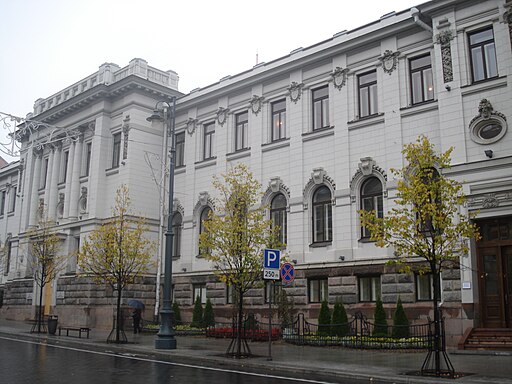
(339, 320)
(177, 313)
(208, 315)
(400, 322)
(324, 319)
(380, 327)
(197, 315)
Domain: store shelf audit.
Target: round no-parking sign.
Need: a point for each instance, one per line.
(287, 273)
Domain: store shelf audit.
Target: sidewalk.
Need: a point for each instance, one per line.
(374, 366)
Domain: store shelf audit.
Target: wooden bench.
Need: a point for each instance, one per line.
(79, 330)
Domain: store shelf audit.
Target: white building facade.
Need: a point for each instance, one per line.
(320, 128)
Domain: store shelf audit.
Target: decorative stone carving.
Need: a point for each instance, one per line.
(366, 166)
(490, 200)
(40, 208)
(444, 38)
(82, 201)
(295, 91)
(339, 77)
(177, 207)
(126, 130)
(60, 205)
(389, 61)
(222, 115)
(256, 102)
(203, 198)
(487, 116)
(191, 126)
(275, 184)
(318, 175)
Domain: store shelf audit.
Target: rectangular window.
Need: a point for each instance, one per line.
(209, 141)
(320, 107)
(318, 290)
(200, 291)
(278, 120)
(367, 86)
(272, 291)
(12, 199)
(44, 175)
(483, 55)
(180, 149)
(369, 288)
(424, 287)
(116, 150)
(64, 168)
(422, 82)
(8, 259)
(2, 202)
(88, 152)
(241, 130)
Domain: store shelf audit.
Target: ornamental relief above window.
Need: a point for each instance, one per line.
(489, 126)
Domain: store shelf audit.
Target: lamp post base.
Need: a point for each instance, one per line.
(165, 342)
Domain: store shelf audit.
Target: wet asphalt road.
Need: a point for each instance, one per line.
(25, 362)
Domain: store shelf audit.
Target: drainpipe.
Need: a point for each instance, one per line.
(415, 13)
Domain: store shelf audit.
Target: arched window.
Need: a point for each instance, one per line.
(278, 217)
(203, 217)
(322, 215)
(177, 220)
(371, 200)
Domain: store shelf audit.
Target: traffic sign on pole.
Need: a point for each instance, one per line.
(287, 272)
(271, 264)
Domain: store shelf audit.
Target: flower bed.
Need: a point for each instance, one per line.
(251, 334)
(359, 341)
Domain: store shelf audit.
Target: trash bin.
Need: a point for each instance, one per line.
(52, 324)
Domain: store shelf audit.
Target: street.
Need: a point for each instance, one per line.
(24, 362)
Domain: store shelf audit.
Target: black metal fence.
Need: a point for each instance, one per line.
(359, 333)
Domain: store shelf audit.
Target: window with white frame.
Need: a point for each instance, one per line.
(116, 150)
(177, 221)
(12, 199)
(424, 287)
(208, 141)
(241, 130)
(279, 217)
(199, 291)
(483, 54)
(180, 149)
(2, 202)
(44, 173)
(371, 200)
(320, 97)
(203, 217)
(422, 82)
(88, 153)
(367, 87)
(322, 215)
(278, 120)
(369, 288)
(318, 290)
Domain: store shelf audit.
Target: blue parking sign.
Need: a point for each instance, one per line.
(272, 259)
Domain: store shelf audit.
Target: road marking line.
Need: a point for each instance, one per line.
(133, 357)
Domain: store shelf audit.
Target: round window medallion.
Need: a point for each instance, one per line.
(490, 131)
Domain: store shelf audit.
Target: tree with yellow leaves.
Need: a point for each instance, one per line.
(45, 260)
(117, 252)
(426, 222)
(235, 235)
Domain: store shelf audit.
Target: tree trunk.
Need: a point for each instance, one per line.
(40, 312)
(240, 324)
(118, 316)
(437, 318)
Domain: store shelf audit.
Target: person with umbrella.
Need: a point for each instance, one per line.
(137, 306)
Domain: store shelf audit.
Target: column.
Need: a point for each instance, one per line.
(51, 185)
(69, 175)
(74, 193)
(34, 192)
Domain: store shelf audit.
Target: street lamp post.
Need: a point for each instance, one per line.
(165, 112)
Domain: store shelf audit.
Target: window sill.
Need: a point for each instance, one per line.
(366, 121)
(419, 108)
(320, 244)
(281, 143)
(366, 240)
(84, 178)
(318, 133)
(180, 170)
(206, 162)
(112, 171)
(239, 154)
(484, 85)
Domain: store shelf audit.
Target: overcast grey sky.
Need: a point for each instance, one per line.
(48, 45)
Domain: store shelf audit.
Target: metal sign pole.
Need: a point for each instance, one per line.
(271, 293)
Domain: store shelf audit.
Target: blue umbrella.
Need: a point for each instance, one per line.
(137, 304)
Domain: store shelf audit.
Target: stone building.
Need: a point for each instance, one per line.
(320, 127)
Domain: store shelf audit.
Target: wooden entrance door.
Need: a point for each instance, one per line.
(495, 272)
